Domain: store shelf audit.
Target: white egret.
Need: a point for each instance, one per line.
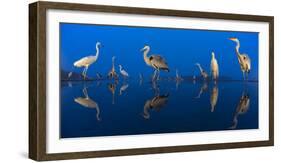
(123, 72)
(87, 61)
(214, 67)
(243, 59)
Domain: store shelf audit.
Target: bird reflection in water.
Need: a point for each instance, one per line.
(178, 79)
(156, 103)
(203, 88)
(88, 103)
(112, 87)
(214, 97)
(242, 108)
(141, 79)
(123, 88)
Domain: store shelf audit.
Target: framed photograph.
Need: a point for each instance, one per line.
(111, 81)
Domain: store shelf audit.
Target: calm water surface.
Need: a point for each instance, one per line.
(109, 108)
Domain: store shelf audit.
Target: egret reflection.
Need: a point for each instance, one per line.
(123, 88)
(155, 103)
(242, 108)
(87, 102)
(214, 97)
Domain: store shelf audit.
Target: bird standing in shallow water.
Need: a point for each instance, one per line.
(155, 61)
(87, 61)
(243, 59)
(214, 67)
(112, 73)
(202, 72)
(123, 72)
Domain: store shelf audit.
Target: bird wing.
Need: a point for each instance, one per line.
(159, 62)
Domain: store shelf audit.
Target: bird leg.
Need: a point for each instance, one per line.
(154, 75)
(85, 72)
(158, 75)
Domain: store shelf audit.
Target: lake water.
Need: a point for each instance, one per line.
(108, 108)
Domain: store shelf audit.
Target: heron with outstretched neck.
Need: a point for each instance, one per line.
(112, 73)
(243, 59)
(155, 61)
(202, 72)
(87, 61)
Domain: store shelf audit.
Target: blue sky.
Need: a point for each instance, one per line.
(181, 48)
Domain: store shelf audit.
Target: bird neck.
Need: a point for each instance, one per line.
(145, 57)
(237, 47)
(200, 68)
(120, 68)
(97, 51)
(113, 68)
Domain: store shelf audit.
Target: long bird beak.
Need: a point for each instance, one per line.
(232, 39)
(142, 50)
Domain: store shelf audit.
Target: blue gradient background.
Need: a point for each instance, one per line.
(180, 47)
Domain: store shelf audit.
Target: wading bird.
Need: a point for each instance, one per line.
(243, 59)
(242, 108)
(123, 72)
(202, 72)
(155, 61)
(214, 67)
(99, 76)
(87, 61)
(112, 73)
(88, 103)
(156, 103)
(178, 77)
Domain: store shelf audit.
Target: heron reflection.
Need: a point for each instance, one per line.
(242, 108)
(203, 88)
(123, 88)
(156, 103)
(112, 87)
(88, 103)
(214, 97)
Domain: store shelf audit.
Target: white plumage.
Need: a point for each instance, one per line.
(87, 61)
(123, 72)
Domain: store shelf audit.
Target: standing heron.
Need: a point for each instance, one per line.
(112, 73)
(155, 61)
(123, 72)
(243, 59)
(214, 67)
(87, 61)
(88, 103)
(202, 72)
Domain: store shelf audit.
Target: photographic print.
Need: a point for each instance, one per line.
(133, 80)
